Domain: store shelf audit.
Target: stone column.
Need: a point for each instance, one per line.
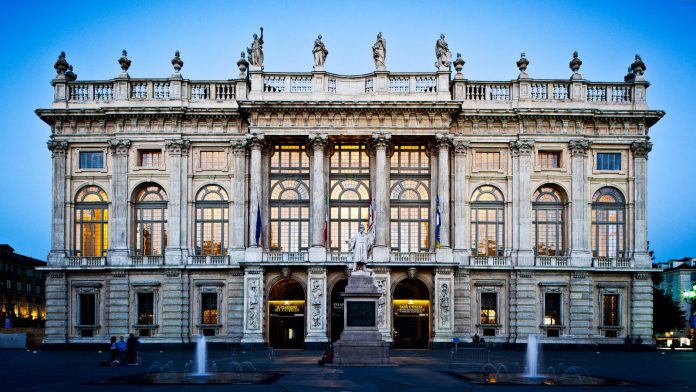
(318, 144)
(59, 151)
(443, 142)
(381, 143)
(443, 312)
(253, 306)
(462, 249)
(640, 222)
(579, 226)
(316, 309)
(238, 199)
(178, 200)
(254, 253)
(522, 201)
(118, 219)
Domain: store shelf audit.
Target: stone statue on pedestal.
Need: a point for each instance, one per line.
(379, 52)
(256, 51)
(319, 52)
(360, 245)
(443, 54)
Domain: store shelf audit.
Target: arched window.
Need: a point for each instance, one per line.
(289, 216)
(212, 221)
(349, 193)
(150, 212)
(410, 199)
(608, 223)
(548, 222)
(487, 222)
(91, 222)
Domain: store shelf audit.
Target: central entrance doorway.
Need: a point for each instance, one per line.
(411, 314)
(286, 310)
(337, 320)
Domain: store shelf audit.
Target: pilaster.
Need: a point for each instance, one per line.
(444, 305)
(59, 150)
(175, 301)
(318, 143)
(640, 170)
(382, 146)
(256, 144)
(116, 303)
(642, 307)
(235, 304)
(253, 306)
(238, 216)
(118, 221)
(462, 303)
(382, 276)
(178, 201)
(579, 247)
(317, 310)
(443, 143)
(57, 308)
(462, 250)
(581, 306)
(521, 202)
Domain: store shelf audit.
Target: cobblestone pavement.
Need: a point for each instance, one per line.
(79, 370)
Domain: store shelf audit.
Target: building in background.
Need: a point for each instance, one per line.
(678, 277)
(223, 207)
(21, 289)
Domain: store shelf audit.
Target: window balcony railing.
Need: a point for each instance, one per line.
(413, 257)
(612, 262)
(490, 261)
(146, 260)
(85, 262)
(285, 257)
(340, 256)
(552, 261)
(208, 260)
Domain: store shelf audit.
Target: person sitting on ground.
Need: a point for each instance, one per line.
(327, 357)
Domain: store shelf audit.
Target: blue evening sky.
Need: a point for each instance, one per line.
(210, 36)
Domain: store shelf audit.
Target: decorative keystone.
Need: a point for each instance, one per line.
(70, 75)
(243, 66)
(638, 66)
(61, 64)
(177, 63)
(459, 64)
(125, 62)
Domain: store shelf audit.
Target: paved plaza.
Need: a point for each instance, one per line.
(79, 370)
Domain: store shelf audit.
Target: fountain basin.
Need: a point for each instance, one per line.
(188, 378)
(523, 379)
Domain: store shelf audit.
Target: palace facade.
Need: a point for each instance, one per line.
(223, 207)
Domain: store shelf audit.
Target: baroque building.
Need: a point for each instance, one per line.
(224, 207)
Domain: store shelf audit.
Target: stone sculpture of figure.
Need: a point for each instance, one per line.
(256, 51)
(253, 302)
(319, 52)
(442, 53)
(360, 244)
(444, 305)
(379, 52)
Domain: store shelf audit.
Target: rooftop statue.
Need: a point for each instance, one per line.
(256, 51)
(319, 52)
(379, 52)
(443, 54)
(360, 245)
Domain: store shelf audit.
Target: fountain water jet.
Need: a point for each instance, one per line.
(533, 346)
(201, 357)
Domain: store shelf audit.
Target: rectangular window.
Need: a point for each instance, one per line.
(487, 161)
(610, 310)
(489, 308)
(550, 159)
(150, 158)
(19, 286)
(212, 159)
(209, 308)
(87, 309)
(91, 160)
(552, 309)
(8, 285)
(608, 161)
(28, 287)
(146, 309)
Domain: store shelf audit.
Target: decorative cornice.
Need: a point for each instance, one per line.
(461, 146)
(522, 147)
(58, 148)
(641, 149)
(178, 146)
(119, 147)
(579, 147)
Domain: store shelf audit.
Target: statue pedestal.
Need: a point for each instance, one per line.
(361, 342)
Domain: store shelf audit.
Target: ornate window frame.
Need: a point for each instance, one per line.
(606, 289)
(560, 288)
(76, 160)
(624, 160)
(86, 288)
(197, 156)
(144, 288)
(496, 287)
(203, 287)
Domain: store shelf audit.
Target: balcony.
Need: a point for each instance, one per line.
(413, 257)
(552, 261)
(144, 261)
(612, 262)
(285, 257)
(340, 256)
(490, 261)
(208, 260)
(85, 262)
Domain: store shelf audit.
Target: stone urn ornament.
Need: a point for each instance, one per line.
(70, 75)
(458, 65)
(638, 66)
(124, 62)
(243, 65)
(61, 64)
(177, 63)
(522, 64)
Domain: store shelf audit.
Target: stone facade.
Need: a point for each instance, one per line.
(155, 153)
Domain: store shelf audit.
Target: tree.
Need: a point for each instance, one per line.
(667, 314)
